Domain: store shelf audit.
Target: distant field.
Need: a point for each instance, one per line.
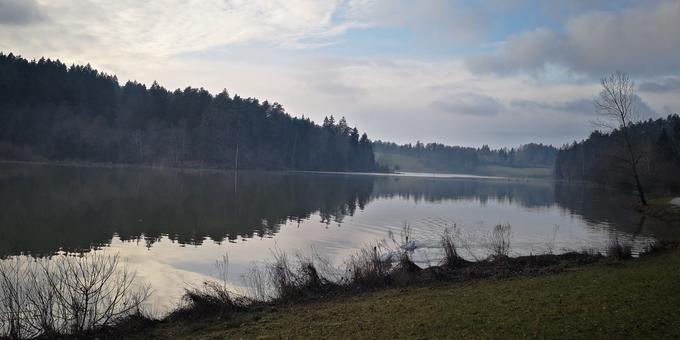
(505, 171)
(633, 300)
(405, 163)
(413, 164)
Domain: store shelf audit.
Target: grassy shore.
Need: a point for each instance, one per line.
(636, 299)
(662, 209)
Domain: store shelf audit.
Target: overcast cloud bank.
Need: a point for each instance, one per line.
(498, 73)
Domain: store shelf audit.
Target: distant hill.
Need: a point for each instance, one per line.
(530, 160)
(51, 111)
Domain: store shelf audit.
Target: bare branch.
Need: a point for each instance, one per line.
(66, 295)
(616, 106)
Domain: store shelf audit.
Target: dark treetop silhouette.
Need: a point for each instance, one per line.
(602, 158)
(445, 158)
(52, 111)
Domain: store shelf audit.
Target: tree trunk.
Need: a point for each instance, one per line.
(641, 192)
(634, 163)
(236, 158)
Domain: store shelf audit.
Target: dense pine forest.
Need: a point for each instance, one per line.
(601, 158)
(51, 111)
(444, 158)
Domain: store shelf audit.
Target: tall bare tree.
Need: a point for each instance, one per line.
(617, 105)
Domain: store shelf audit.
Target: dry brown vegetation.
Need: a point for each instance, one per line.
(290, 279)
(66, 295)
(69, 295)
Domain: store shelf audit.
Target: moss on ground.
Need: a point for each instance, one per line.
(635, 299)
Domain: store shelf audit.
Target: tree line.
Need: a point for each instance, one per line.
(51, 111)
(602, 158)
(468, 159)
(633, 154)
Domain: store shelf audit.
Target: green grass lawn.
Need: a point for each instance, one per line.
(636, 299)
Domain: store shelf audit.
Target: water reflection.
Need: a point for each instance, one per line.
(50, 208)
(525, 193)
(46, 208)
(602, 207)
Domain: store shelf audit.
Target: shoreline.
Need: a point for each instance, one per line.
(261, 320)
(438, 175)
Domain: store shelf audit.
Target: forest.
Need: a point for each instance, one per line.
(602, 158)
(53, 112)
(444, 158)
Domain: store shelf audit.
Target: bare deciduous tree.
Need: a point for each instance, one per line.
(616, 104)
(65, 295)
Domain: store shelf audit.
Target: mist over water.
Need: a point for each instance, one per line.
(172, 225)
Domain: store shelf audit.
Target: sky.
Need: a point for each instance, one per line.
(497, 72)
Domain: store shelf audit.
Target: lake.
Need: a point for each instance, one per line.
(171, 225)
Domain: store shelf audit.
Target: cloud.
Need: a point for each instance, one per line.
(578, 106)
(469, 104)
(527, 52)
(443, 21)
(640, 40)
(19, 12)
(171, 27)
(397, 69)
(668, 84)
(402, 100)
(333, 77)
(643, 110)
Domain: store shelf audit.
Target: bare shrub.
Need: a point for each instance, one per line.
(66, 295)
(256, 283)
(291, 280)
(651, 248)
(11, 298)
(659, 246)
(451, 257)
(370, 266)
(464, 240)
(618, 251)
(212, 298)
(550, 242)
(590, 252)
(287, 279)
(405, 271)
(407, 242)
(281, 275)
(92, 291)
(325, 267)
(42, 301)
(498, 241)
(222, 266)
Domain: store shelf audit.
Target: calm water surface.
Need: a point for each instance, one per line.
(172, 225)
